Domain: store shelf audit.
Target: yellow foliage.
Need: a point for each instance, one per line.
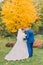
(18, 13)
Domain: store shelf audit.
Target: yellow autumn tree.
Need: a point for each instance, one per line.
(18, 13)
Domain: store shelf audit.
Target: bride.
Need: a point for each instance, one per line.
(19, 51)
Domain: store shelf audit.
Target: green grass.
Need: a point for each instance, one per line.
(40, 37)
(37, 58)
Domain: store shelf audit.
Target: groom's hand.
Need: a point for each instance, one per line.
(25, 38)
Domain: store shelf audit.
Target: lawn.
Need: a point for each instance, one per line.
(37, 58)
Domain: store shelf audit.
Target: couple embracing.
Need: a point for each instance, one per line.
(22, 49)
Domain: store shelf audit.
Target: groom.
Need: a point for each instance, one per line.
(30, 40)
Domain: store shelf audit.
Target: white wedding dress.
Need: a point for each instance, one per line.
(19, 51)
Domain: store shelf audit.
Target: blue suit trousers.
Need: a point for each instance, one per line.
(30, 49)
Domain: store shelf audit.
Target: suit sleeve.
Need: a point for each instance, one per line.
(27, 37)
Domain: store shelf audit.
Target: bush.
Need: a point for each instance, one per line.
(38, 44)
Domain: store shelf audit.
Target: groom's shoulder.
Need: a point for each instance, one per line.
(30, 31)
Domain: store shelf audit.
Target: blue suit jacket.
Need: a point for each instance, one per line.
(29, 36)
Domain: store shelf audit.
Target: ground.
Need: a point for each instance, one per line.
(37, 58)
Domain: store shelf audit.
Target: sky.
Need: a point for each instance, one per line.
(1, 0)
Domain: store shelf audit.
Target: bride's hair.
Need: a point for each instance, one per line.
(22, 29)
